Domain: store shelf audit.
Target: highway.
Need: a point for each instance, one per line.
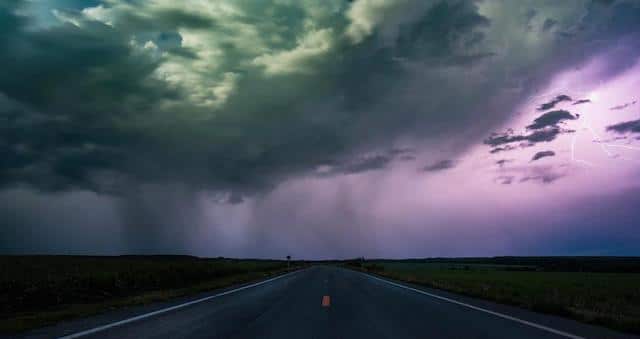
(325, 302)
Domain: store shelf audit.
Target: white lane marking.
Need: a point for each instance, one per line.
(497, 314)
(168, 309)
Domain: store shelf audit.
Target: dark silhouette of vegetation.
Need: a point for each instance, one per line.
(597, 290)
(35, 290)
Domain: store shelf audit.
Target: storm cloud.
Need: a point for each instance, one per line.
(543, 135)
(440, 166)
(581, 101)
(117, 93)
(183, 115)
(623, 106)
(626, 127)
(551, 119)
(545, 129)
(122, 93)
(543, 154)
(551, 104)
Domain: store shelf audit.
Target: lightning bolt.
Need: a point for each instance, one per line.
(604, 146)
(573, 153)
(586, 125)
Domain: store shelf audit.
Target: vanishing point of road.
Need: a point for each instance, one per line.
(325, 302)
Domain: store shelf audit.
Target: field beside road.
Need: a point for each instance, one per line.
(39, 290)
(603, 291)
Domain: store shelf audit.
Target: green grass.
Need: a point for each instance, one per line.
(41, 290)
(608, 299)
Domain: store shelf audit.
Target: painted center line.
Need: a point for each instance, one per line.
(326, 301)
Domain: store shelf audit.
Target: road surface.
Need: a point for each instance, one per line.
(326, 302)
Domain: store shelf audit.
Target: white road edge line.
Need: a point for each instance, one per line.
(169, 309)
(497, 314)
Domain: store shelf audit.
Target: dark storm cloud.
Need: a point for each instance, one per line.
(131, 94)
(440, 166)
(549, 24)
(541, 135)
(551, 119)
(545, 129)
(531, 174)
(543, 154)
(104, 116)
(407, 157)
(502, 149)
(581, 101)
(235, 198)
(623, 106)
(403, 154)
(368, 163)
(365, 163)
(401, 151)
(604, 2)
(107, 119)
(57, 153)
(118, 98)
(551, 104)
(61, 92)
(632, 126)
(55, 68)
(440, 32)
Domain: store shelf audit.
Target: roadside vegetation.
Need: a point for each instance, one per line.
(40, 290)
(597, 290)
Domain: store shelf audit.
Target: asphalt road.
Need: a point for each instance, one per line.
(328, 302)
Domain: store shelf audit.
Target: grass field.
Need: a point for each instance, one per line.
(608, 297)
(38, 290)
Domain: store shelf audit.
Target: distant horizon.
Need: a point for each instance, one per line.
(324, 259)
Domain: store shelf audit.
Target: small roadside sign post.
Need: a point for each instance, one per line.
(288, 261)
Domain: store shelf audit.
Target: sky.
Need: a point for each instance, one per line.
(320, 129)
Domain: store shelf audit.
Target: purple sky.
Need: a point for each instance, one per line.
(323, 130)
